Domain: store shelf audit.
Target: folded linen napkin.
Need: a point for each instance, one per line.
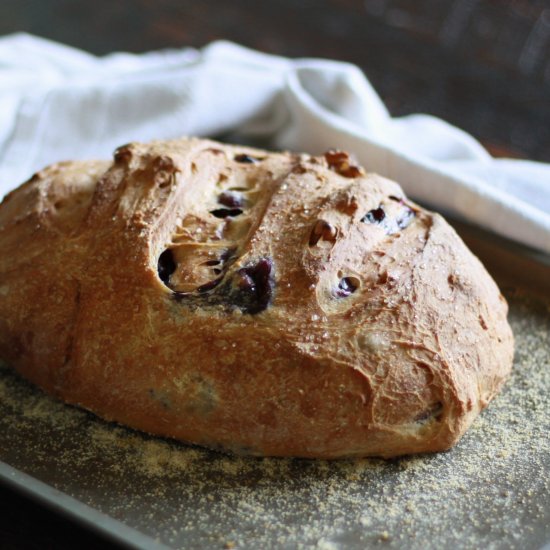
(59, 103)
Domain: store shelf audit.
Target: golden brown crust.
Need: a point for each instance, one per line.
(305, 308)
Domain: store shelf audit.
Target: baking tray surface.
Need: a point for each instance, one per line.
(491, 491)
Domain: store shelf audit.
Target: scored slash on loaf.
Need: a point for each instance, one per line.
(262, 303)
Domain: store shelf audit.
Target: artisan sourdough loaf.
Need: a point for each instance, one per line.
(261, 303)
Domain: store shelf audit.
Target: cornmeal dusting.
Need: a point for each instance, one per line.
(491, 491)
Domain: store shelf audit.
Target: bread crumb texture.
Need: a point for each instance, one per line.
(491, 491)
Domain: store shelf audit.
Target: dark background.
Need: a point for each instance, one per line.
(481, 65)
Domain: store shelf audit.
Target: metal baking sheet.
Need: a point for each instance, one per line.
(79, 512)
(491, 491)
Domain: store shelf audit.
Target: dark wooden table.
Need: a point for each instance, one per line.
(482, 65)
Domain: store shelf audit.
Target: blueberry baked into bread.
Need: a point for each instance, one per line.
(262, 303)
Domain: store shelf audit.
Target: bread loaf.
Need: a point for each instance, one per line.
(261, 303)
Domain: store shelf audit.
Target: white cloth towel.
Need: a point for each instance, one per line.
(59, 103)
